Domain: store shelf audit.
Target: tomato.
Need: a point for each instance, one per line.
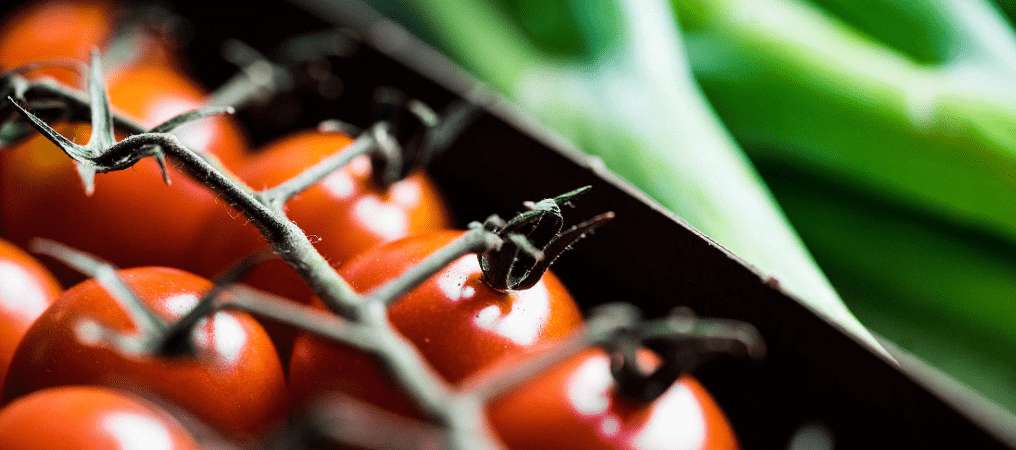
(132, 219)
(56, 29)
(26, 290)
(344, 214)
(67, 30)
(89, 418)
(577, 402)
(234, 382)
(459, 324)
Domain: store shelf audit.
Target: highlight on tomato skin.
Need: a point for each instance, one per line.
(458, 323)
(577, 400)
(234, 382)
(89, 418)
(133, 218)
(26, 290)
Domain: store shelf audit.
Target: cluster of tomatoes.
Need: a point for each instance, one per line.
(244, 378)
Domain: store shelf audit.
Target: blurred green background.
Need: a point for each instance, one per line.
(866, 143)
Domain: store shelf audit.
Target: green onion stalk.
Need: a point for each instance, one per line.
(611, 76)
(940, 291)
(910, 101)
(910, 107)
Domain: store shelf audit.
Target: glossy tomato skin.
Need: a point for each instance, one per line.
(133, 218)
(55, 30)
(458, 323)
(344, 215)
(89, 418)
(235, 382)
(578, 401)
(26, 290)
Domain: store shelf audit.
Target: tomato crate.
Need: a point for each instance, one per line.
(816, 382)
(817, 387)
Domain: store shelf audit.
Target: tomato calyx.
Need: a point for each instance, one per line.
(532, 241)
(683, 342)
(401, 134)
(680, 342)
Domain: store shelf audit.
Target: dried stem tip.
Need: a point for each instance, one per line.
(401, 135)
(533, 240)
(683, 342)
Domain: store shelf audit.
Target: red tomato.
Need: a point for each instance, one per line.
(132, 219)
(68, 30)
(458, 323)
(26, 290)
(50, 30)
(234, 382)
(345, 214)
(89, 418)
(574, 406)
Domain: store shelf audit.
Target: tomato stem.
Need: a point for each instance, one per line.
(514, 253)
(403, 128)
(176, 339)
(476, 240)
(277, 196)
(149, 324)
(257, 79)
(285, 311)
(603, 325)
(342, 419)
(683, 342)
(408, 369)
(534, 239)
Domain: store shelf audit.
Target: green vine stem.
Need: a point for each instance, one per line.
(277, 196)
(683, 342)
(477, 240)
(363, 321)
(176, 339)
(603, 325)
(257, 79)
(345, 420)
(149, 324)
(393, 351)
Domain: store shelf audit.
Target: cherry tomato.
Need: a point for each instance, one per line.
(234, 382)
(68, 30)
(458, 323)
(26, 290)
(133, 218)
(51, 30)
(345, 214)
(89, 418)
(574, 406)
